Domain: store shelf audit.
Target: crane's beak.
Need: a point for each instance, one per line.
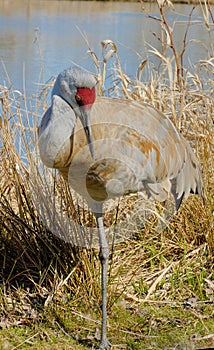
(85, 119)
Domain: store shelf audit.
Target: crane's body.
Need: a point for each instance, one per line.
(135, 148)
(111, 147)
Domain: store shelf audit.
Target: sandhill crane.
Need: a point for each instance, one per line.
(113, 147)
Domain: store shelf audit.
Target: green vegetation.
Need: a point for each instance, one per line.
(161, 282)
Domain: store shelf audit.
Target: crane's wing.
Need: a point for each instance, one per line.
(55, 133)
(136, 147)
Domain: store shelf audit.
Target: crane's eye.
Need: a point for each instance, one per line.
(78, 99)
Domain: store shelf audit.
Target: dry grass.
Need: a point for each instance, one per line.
(168, 266)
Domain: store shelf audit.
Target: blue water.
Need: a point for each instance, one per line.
(57, 25)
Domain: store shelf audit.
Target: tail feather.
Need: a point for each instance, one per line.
(188, 180)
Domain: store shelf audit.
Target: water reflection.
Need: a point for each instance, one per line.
(61, 43)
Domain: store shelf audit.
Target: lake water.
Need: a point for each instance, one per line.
(58, 24)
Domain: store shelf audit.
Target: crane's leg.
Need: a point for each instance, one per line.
(104, 257)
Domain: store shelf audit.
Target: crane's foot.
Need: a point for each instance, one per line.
(104, 345)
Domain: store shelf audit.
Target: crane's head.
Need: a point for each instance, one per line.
(76, 86)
